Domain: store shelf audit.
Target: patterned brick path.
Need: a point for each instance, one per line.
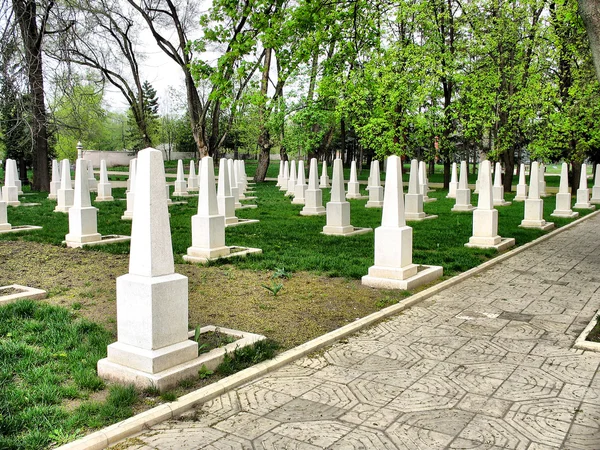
(486, 364)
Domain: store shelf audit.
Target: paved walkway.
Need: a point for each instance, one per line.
(486, 364)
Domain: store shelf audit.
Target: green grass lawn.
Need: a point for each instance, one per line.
(295, 242)
(48, 357)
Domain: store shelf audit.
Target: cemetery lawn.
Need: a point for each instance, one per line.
(320, 291)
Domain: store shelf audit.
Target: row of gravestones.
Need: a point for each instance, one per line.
(153, 346)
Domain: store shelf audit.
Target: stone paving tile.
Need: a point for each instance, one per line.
(486, 364)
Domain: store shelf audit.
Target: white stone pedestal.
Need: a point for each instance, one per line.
(82, 225)
(393, 268)
(534, 215)
(563, 207)
(65, 195)
(375, 197)
(338, 219)
(463, 201)
(485, 231)
(499, 196)
(104, 193)
(595, 200)
(583, 200)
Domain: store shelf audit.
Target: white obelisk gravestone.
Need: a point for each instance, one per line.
(583, 193)
(280, 175)
(313, 205)
(4, 225)
(225, 201)
(104, 187)
(353, 185)
(414, 199)
(596, 188)
(291, 187)
(285, 176)
(180, 183)
(453, 182)
(153, 348)
(542, 179)
(534, 205)
(130, 194)
(10, 190)
(233, 184)
(423, 183)
(522, 186)
(498, 188)
(83, 222)
(92, 182)
(65, 194)
(393, 267)
(485, 217)
(55, 183)
(563, 198)
(300, 189)
(463, 193)
(375, 188)
(324, 180)
(208, 226)
(338, 209)
(192, 181)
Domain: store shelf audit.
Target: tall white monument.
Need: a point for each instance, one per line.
(375, 188)
(10, 190)
(463, 193)
(313, 205)
(130, 194)
(453, 182)
(104, 187)
(300, 189)
(595, 200)
(563, 198)
(180, 183)
(522, 186)
(353, 185)
(393, 267)
(414, 199)
(534, 205)
(55, 183)
(583, 193)
(324, 180)
(192, 181)
(338, 209)
(498, 188)
(153, 348)
(65, 195)
(485, 217)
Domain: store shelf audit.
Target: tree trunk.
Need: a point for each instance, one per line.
(196, 121)
(32, 40)
(590, 13)
(343, 139)
(508, 157)
(264, 139)
(575, 174)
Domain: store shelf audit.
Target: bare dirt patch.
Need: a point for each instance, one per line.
(307, 306)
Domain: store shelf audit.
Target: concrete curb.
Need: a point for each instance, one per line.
(581, 343)
(127, 428)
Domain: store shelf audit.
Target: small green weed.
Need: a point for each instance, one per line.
(168, 396)
(274, 288)
(204, 373)
(280, 272)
